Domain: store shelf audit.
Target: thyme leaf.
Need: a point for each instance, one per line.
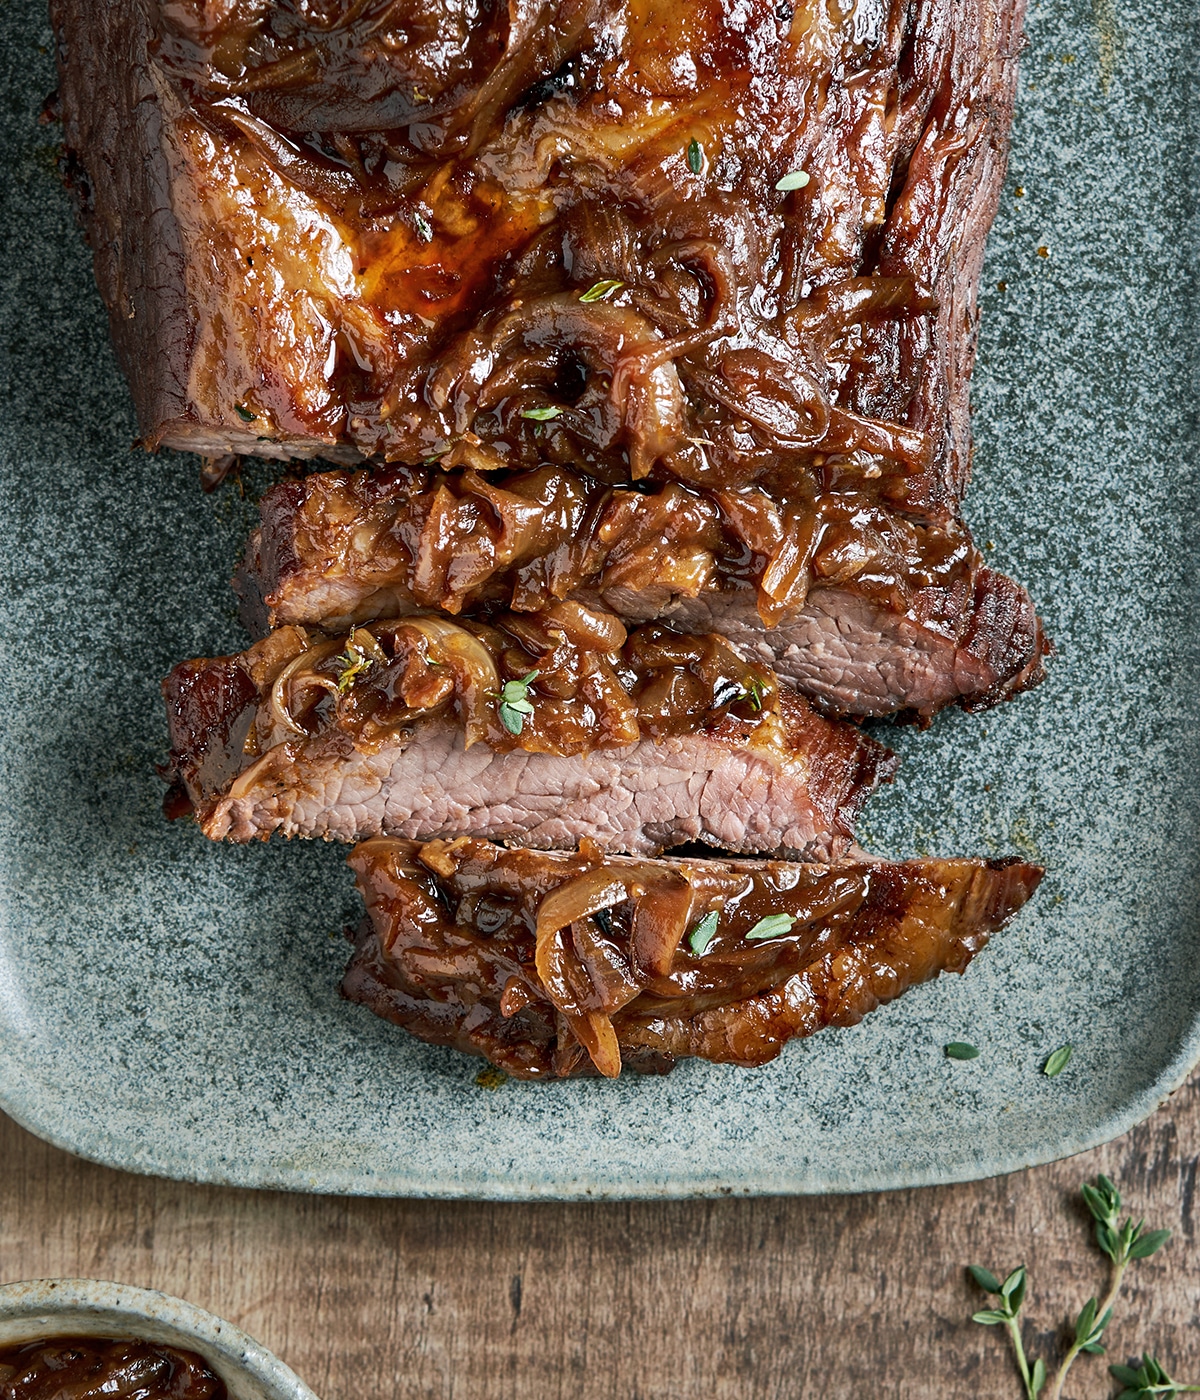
(542, 415)
(1058, 1061)
(598, 291)
(793, 180)
(704, 933)
(752, 690)
(352, 663)
(962, 1050)
(244, 413)
(772, 926)
(695, 157)
(515, 706)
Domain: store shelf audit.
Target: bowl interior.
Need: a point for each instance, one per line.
(46, 1309)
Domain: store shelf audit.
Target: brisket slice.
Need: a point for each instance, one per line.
(558, 964)
(884, 616)
(852, 656)
(320, 236)
(637, 760)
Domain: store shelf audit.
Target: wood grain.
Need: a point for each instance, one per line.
(710, 1300)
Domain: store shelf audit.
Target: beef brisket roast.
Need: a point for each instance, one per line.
(869, 613)
(741, 249)
(551, 965)
(420, 727)
(657, 334)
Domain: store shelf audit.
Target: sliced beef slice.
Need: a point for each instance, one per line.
(557, 964)
(887, 617)
(390, 732)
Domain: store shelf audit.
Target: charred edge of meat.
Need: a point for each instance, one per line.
(553, 965)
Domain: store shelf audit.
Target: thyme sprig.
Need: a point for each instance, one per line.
(352, 663)
(515, 705)
(1122, 1243)
(1146, 1380)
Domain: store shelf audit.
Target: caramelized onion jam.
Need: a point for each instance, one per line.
(588, 684)
(91, 1368)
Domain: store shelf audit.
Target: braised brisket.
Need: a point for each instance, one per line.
(551, 965)
(401, 729)
(878, 614)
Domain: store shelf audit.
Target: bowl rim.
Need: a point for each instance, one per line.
(221, 1342)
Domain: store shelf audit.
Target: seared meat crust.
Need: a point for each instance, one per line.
(551, 965)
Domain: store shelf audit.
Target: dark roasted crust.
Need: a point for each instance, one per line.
(453, 931)
(120, 179)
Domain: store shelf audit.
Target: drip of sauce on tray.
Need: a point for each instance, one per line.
(92, 1368)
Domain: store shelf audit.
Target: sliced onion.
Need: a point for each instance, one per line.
(292, 674)
(471, 660)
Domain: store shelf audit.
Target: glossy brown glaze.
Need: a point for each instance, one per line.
(342, 547)
(390, 220)
(91, 1368)
(640, 741)
(557, 964)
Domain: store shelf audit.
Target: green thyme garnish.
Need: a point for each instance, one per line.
(1123, 1244)
(1147, 1381)
(542, 415)
(704, 933)
(753, 691)
(773, 926)
(244, 413)
(515, 705)
(423, 226)
(1058, 1061)
(962, 1050)
(603, 918)
(599, 290)
(695, 157)
(793, 180)
(437, 452)
(353, 662)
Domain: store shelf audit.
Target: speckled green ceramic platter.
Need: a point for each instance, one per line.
(171, 1006)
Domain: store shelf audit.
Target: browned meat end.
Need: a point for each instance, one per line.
(558, 964)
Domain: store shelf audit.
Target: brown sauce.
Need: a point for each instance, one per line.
(93, 1368)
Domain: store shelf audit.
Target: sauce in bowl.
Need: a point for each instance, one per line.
(93, 1368)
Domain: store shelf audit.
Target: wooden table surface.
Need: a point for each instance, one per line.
(862, 1296)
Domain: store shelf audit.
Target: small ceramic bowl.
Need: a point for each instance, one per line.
(84, 1307)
